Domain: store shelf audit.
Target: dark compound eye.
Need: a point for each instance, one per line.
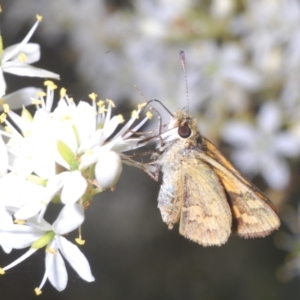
(184, 131)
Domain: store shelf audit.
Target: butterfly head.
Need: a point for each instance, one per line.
(182, 129)
(184, 125)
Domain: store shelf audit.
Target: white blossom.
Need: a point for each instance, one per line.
(39, 233)
(262, 148)
(16, 59)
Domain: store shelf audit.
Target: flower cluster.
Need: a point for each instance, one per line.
(60, 155)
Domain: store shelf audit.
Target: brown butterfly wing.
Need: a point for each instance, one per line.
(254, 215)
(192, 193)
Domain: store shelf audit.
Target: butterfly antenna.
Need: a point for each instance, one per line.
(148, 103)
(182, 59)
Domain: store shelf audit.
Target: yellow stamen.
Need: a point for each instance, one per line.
(2, 272)
(79, 241)
(6, 108)
(2, 117)
(47, 82)
(50, 84)
(102, 109)
(36, 101)
(52, 87)
(22, 57)
(37, 291)
(93, 96)
(62, 92)
(39, 18)
(120, 119)
(135, 114)
(41, 94)
(142, 105)
(19, 222)
(51, 250)
(101, 103)
(7, 129)
(111, 102)
(149, 115)
(2, 101)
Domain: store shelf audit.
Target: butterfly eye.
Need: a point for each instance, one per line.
(184, 131)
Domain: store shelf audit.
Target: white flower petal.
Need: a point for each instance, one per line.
(276, 172)
(20, 97)
(246, 161)
(29, 210)
(96, 139)
(57, 274)
(110, 127)
(76, 259)
(69, 219)
(74, 187)
(39, 224)
(22, 69)
(108, 169)
(31, 51)
(18, 236)
(286, 144)
(269, 117)
(5, 220)
(84, 121)
(239, 134)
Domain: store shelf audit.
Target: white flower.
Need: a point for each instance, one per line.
(38, 234)
(289, 241)
(262, 148)
(83, 134)
(76, 137)
(16, 59)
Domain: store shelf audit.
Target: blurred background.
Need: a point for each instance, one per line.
(243, 69)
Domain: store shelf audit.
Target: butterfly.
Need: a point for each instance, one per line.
(203, 192)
